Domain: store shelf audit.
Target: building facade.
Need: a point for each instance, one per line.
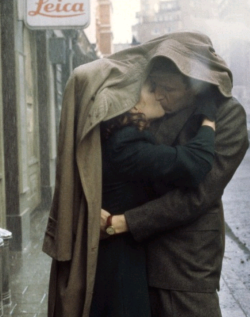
(34, 68)
(157, 18)
(104, 35)
(160, 17)
(197, 9)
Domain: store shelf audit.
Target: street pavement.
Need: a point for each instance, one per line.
(30, 268)
(29, 275)
(235, 281)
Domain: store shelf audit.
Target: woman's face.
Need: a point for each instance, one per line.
(148, 105)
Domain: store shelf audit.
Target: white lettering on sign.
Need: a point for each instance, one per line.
(44, 14)
(58, 10)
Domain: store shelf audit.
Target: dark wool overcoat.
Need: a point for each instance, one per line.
(104, 89)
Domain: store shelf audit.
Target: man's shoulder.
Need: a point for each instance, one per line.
(231, 121)
(230, 107)
(231, 102)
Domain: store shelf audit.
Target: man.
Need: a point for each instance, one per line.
(184, 229)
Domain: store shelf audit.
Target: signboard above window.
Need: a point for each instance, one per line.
(57, 14)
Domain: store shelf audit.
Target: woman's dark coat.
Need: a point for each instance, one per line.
(99, 91)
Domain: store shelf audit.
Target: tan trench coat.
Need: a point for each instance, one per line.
(98, 91)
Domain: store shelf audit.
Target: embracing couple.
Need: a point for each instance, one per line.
(150, 136)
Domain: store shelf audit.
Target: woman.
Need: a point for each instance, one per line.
(132, 161)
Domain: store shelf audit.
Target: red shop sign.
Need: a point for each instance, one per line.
(63, 14)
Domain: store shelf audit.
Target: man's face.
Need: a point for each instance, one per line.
(171, 91)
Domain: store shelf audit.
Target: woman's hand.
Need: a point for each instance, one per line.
(104, 216)
(103, 224)
(207, 122)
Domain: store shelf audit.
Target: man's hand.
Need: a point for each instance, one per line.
(118, 222)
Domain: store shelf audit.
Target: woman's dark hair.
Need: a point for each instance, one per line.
(137, 120)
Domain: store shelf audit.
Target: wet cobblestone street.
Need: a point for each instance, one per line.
(30, 268)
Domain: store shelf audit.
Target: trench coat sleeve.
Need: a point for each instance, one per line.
(182, 206)
(59, 232)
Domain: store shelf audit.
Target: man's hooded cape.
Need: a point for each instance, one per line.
(95, 92)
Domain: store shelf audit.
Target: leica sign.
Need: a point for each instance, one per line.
(43, 14)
